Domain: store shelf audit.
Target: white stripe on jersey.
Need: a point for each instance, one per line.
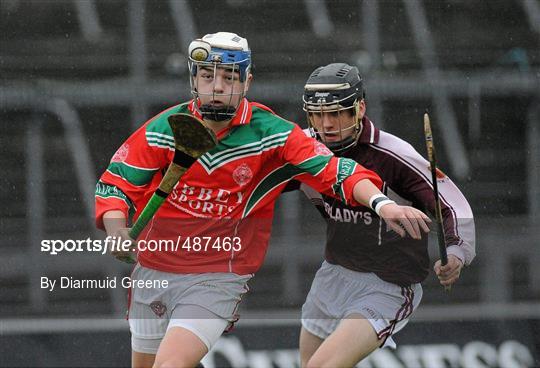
(449, 194)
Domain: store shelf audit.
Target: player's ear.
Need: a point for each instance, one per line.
(361, 108)
(248, 81)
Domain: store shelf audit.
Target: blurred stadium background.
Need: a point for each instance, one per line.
(78, 76)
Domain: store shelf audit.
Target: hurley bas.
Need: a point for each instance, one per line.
(66, 282)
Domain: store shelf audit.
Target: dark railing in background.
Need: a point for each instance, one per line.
(506, 240)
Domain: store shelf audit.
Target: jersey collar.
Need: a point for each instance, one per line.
(369, 133)
(242, 117)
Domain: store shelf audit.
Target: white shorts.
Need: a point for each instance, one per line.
(337, 293)
(205, 304)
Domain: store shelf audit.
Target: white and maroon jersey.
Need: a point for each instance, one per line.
(359, 240)
(229, 192)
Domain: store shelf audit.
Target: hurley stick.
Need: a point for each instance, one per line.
(438, 214)
(192, 139)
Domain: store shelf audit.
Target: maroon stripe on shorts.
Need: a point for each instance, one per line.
(236, 316)
(403, 312)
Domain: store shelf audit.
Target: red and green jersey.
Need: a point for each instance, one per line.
(218, 217)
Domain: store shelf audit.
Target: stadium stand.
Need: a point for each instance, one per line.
(79, 77)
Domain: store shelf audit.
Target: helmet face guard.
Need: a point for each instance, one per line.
(225, 51)
(315, 110)
(334, 89)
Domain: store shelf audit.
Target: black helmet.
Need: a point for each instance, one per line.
(334, 88)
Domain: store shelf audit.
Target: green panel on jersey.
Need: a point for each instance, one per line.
(270, 182)
(135, 175)
(264, 132)
(213, 160)
(345, 169)
(160, 140)
(104, 190)
(160, 124)
(263, 124)
(282, 174)
(314, 165)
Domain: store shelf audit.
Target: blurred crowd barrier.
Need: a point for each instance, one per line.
(482, 343)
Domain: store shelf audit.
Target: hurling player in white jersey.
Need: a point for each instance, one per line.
(369, 283)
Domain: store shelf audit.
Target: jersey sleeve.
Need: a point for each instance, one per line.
(320, 169)
(132, 171)
(458, 220)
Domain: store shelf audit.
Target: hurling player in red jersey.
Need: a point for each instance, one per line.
(217, 220)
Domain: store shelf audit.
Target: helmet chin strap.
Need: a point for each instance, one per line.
(217, 113)
(341, 146)
(349, 142)
(345, 144)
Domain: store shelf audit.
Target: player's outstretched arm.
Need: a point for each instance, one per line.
(405, 219)
(401, 219)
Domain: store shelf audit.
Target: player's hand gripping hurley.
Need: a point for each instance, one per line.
(438, 214)
(192, 139)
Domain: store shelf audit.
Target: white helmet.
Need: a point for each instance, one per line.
(223, 50)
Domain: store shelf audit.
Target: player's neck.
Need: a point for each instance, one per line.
(217, 126)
